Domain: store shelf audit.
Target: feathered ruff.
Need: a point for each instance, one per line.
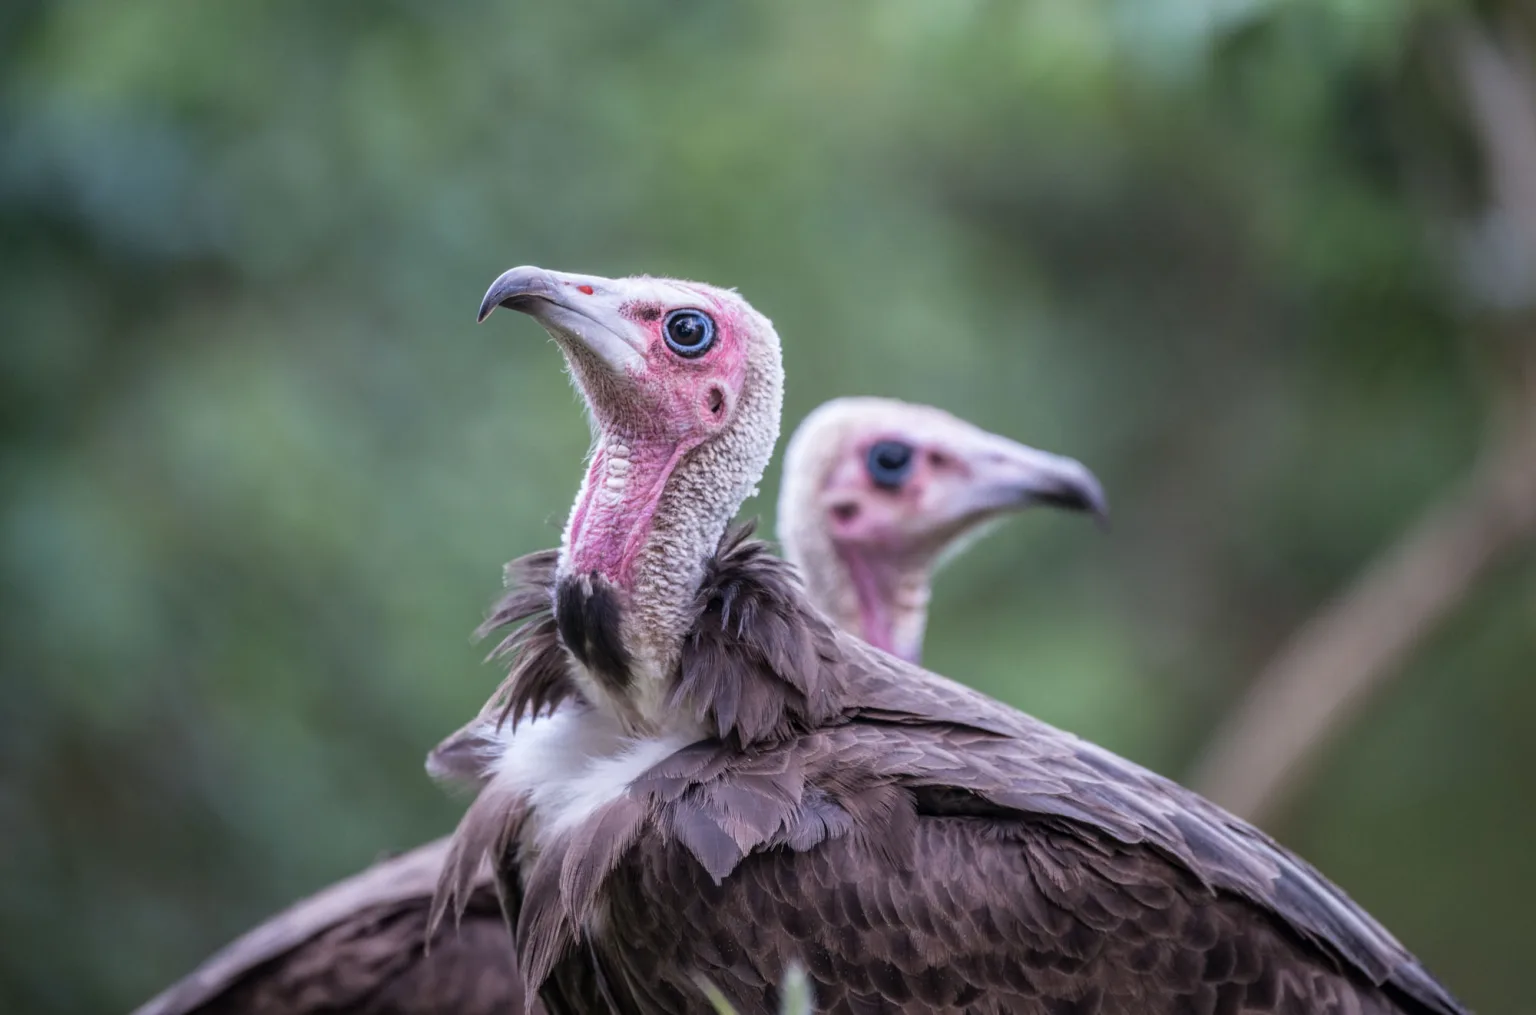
(755, 665)
(540, 677)
(489, 830)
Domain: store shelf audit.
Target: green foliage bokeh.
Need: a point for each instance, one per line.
(258, 469)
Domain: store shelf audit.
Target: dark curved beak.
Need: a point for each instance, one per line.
(581, 312)
(516, 289)
(1008, 476)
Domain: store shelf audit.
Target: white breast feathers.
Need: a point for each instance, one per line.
(568, 765)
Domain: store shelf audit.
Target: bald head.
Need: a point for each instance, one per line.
(683, 382)
(877, 493)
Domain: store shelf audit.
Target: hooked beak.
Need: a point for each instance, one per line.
(1007, 476)
(581, 312)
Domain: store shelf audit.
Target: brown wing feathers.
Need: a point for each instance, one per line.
(915, 843)
(358, 946)
(831, 750)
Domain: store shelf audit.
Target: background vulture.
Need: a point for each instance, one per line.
(701, 776)
(876, 491)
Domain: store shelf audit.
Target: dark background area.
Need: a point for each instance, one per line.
(259, 470)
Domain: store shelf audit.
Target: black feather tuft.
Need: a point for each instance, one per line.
(589, 615)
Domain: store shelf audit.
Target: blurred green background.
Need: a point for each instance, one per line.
(259, 470)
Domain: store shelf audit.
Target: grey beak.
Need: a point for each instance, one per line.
(1074, 490)
(1008, 477)
(514, 290)
(581, 312)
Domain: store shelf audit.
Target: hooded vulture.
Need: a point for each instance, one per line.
(698, 777)
(874, 492)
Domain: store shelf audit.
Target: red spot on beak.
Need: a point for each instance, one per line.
(584, 289)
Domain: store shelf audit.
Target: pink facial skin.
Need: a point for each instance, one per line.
(879, 532)
(651, 423)
(900, 523)
(877, 493)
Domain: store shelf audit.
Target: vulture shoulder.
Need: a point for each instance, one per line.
(1030, 767)
(358, 946)
(918, 844)
(934, 866)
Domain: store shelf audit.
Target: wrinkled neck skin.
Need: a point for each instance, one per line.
(881, 598)
(892, 601)
(617, 506)
(648, 519)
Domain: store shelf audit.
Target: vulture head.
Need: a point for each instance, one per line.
(877, 493)
(683, 382)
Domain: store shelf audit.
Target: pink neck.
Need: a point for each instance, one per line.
(876, 590)
(614, 515)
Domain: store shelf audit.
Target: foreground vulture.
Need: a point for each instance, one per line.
(701, 778)
(875, 492)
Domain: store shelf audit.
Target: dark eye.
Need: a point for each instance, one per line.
(689, 333)
(889, 462)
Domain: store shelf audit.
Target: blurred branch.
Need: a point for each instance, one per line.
(1347, 652)
(1267, 745)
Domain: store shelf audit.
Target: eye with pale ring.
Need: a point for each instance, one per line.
(889, 463)
(689, 333)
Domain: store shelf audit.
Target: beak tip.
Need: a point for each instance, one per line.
(511, 289)
(1096, 504)
(490, 301)
(1079, 491)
